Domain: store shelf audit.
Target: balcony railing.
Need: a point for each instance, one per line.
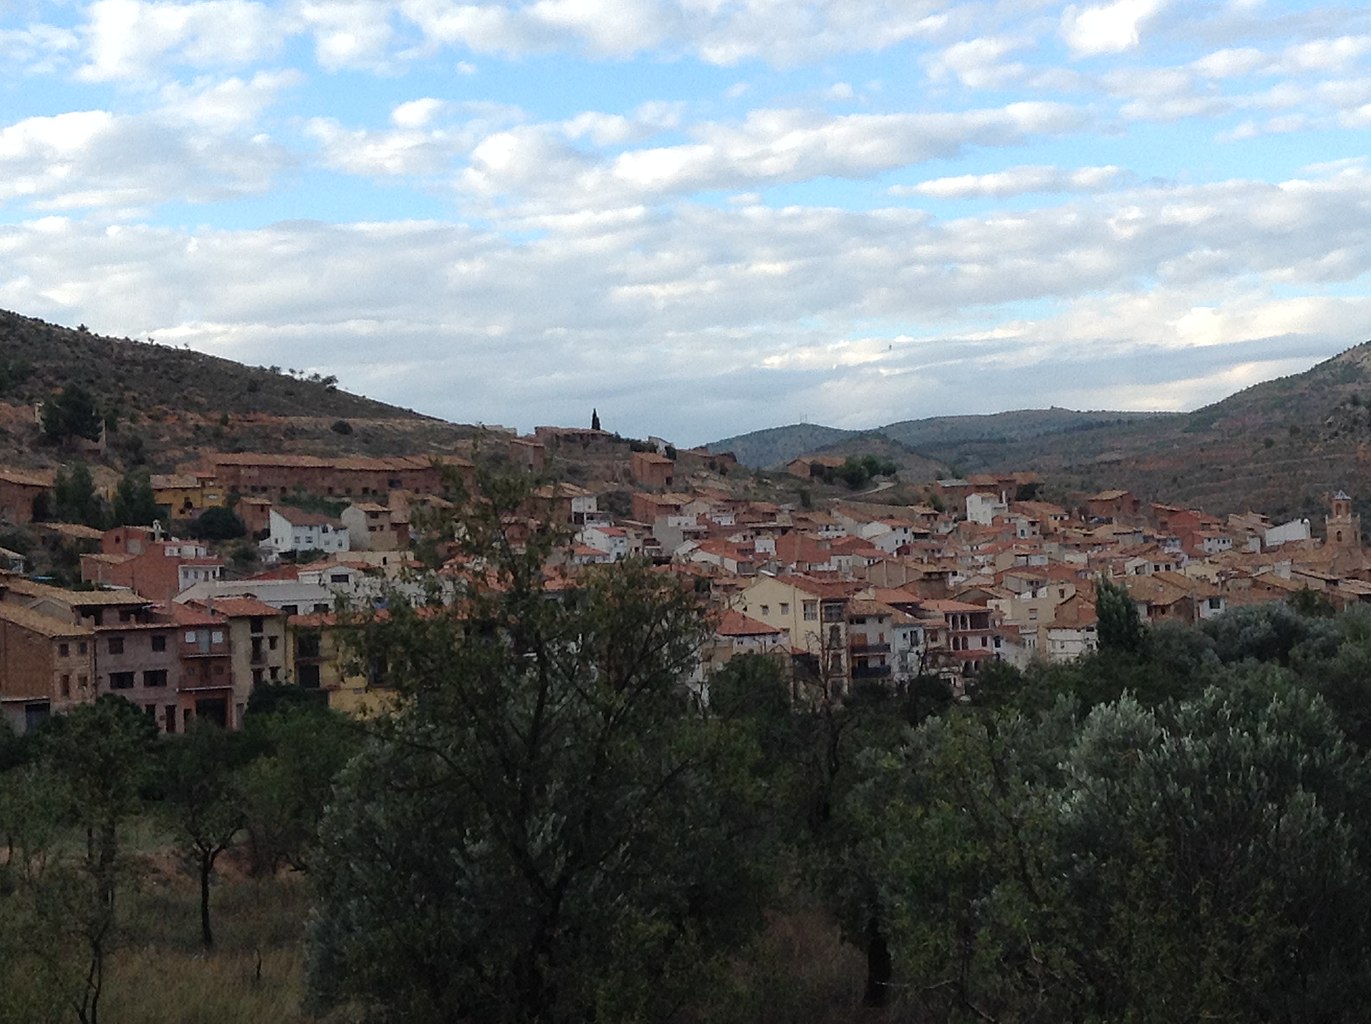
(870, 671)
(860, 648)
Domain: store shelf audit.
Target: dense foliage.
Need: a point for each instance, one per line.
(70, 414)
(547, 829)
(553, 827)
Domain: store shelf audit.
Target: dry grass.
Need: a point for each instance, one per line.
(255, 972)
(799, 971)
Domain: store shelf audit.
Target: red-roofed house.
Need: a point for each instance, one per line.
(18, 492)
(257, 645)
(652, 470)
(155, 569)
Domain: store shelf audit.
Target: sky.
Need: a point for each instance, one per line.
(700, 217)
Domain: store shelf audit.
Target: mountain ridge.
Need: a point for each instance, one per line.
(1278, 446)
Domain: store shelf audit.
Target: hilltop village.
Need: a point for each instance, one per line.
(840, 590)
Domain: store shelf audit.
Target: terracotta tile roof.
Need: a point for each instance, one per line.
(945, 607)
(76, 531)
(186, 615)
(37, 622)
(21, 479)
(821, 588)
(299, 517)
(735, 623)
(74, 598)
(280, 572)
(238, 607)
(178, 481)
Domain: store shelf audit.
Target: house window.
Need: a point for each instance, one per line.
(116, 645)
(766, 609)
(81, 647)
(155, 677)
(255, 624)
(66, 685)
(811, 611)
(271, 643)
(190, 636)
(171, 718)
(63, 650)
(217, 636)
(338, 577)
(785, 608)
(121, 680)
(158, 641)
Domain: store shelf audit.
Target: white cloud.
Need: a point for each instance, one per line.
(129, 39)
(1107, 28)
(744, 304)
(1326, 54)
(38, 48)
(1230, 63)
(416, 151)
(729, 224)
(1015, 181)
(979, 63)
(95, 159)
(228, 105)
(535, 164)
(718, 33)
(347, 33)
(416, 113)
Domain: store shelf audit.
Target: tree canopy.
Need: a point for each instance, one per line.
(70, 414)
(547, 830)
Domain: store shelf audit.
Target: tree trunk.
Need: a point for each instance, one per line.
(878, 965)
(206, 866)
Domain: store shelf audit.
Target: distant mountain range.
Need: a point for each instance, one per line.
(935, 437)
(1278, 447)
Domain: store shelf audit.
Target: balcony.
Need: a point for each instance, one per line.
(192, 651)
(870, 671)
(861, 648)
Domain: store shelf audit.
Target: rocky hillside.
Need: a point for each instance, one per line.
(162, 404)
(1278, 447)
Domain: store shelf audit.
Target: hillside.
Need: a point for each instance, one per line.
(161, 403)
(1279, 447)
(942, 438)
(776, 446)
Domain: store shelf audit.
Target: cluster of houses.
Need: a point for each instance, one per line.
(840, 595)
